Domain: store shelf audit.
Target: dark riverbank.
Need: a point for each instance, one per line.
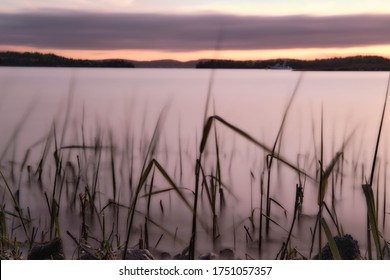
(28, 59)
(354, 63)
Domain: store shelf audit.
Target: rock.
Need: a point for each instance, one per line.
(348, 248)
(208, 256)
(165, 256)
(87, 256)
(10, 255)
(51, 250)
(107, 254)
(179, 256)
(138, 254)
(184, 255)
(226, 254)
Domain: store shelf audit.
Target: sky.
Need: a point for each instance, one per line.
(194, 29)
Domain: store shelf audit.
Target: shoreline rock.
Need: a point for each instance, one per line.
(348, 248)
(51, 250)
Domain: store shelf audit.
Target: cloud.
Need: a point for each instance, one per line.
(103, 31)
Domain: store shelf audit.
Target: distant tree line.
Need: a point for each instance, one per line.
(52, 60)
(354, 63)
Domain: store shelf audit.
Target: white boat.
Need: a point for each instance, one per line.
(279, 66)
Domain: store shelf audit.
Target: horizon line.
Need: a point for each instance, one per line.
(192, 60)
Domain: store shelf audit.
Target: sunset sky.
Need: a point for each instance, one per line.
(193, 29)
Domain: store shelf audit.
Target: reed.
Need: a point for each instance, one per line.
(273, 153)
(17, 208)
(384, 199)
(368, 192)
(96, 180)
(332, 244)
(298, 194)
(261, 212)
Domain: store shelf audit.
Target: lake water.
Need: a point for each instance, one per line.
(104, 120)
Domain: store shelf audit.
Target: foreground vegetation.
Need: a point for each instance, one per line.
(112, 195)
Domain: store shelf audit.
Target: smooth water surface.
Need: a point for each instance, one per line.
(118, 110)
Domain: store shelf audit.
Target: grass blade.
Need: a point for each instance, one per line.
(368, 193)
(331, 242)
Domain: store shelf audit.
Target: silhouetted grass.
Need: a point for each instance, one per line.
(95, 181)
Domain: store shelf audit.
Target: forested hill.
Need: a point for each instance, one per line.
(354, 63)
(52, 60)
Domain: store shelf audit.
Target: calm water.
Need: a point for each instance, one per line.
(120, 108)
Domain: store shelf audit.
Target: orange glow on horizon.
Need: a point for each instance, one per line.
(146, 55)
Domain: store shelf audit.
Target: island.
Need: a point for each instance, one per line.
(36, 59)
(353, 63)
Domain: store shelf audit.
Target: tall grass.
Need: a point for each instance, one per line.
(117, 193)
(273, 151)
(368, 192)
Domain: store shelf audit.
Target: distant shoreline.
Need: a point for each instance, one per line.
(353, 63)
